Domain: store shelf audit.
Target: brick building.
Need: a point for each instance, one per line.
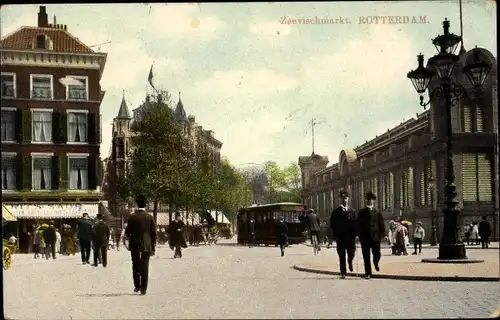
(405, 166)
(51, 124)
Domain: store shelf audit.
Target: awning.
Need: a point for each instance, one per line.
(7, 215)
(162, 218)
(220, 217)
(52, 211)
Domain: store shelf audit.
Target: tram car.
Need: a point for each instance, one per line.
(266, 217)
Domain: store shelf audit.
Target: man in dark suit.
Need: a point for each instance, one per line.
(343, 225)
(49, 236)
(371, 230)
(101, 239)
(313, 224)
(251, 232)
(85, 234)
(141, 234)
(282, 234)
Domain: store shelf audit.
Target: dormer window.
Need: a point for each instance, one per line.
(40, 41)
(43, 42)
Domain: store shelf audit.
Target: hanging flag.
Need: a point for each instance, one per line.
(150, 77)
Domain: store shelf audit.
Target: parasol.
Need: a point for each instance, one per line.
(406, 222)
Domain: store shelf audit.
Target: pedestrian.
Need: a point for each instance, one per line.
(282, 234)
(313, 224)
(251, 232)
(467, 230)
(401, 232)
(58, 242)
(40, 232)
(117, 237)
(141, 235)
(474, 234)
(176, 233)
(484, 231)
(392, 234)
(36, 241)
(49, 235)
(101, 239)
(418, 237)
(343, 225)
(370, 228)
(85, 235)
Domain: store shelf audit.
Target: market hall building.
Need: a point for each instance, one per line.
(405, 167)
(51, 126)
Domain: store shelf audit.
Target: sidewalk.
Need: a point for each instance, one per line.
(492, 245)
(410, 267)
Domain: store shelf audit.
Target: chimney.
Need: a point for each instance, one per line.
(42, 18)
(55, 21)
(65, 28)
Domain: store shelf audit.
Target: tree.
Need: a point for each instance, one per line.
(158, 153)
(284, 183)
(257, 182)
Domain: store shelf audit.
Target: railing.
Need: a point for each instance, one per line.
(77, 94)
(7, 92)
(41, 93)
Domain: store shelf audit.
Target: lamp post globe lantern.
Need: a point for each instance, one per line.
(451, 247)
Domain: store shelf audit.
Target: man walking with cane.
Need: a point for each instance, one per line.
(370, 228)
(343, 225)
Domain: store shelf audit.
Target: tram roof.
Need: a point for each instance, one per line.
(270, 205)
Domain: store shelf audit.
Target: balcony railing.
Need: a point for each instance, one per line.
(7, 92)
(77, 94)
(41, 93)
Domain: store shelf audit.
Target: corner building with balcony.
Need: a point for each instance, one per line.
(406, 166)
(51, 125)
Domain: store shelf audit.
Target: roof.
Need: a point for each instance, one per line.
(52, 211)
(180, 113)
(275, 204)
(63, 41)
(124, 113)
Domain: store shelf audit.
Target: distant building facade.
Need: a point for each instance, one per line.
(406, 166)
(51, 125)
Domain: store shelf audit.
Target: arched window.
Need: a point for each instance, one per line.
(40, 41)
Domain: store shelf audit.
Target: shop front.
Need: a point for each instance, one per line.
(29, 214)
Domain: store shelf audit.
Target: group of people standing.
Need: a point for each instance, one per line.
(46, 240)
(476, 233)
(93, 235)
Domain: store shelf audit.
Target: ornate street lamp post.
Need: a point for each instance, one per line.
(451, 246)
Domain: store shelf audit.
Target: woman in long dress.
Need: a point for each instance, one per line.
(474, 235)
(58, 242)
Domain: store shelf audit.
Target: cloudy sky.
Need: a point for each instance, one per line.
(256, 81)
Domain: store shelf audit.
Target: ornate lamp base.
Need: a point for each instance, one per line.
(452, 251)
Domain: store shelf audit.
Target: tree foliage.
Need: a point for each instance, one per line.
(284, 183)
(169, 165)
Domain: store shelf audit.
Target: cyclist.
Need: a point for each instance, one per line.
(313, 225)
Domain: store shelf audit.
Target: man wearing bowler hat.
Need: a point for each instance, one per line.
(371, 230)
(343, 224)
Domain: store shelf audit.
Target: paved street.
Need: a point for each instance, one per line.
(228, 282)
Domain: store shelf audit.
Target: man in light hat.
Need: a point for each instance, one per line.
(343, 225)
(418, 237)
(370, 228)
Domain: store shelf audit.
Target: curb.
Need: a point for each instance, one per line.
(411, 247)
(402, 277)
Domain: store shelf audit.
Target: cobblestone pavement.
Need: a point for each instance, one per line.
(411, 265)
(228, 282)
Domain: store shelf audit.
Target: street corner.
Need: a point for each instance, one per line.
(405, 271)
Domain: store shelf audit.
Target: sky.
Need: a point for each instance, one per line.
(256, 78)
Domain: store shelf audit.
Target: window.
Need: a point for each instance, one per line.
(8, 171)
(427, 173)
(473, 119)
(406, 188)
(41, 86)
(477, 178)
(479, 120)
(77, 88)
(8, 85)
(8, 120)
(40, 41)
(78, 172)
(42, 125)
(42, 172)
(388, 191)
(77, 126)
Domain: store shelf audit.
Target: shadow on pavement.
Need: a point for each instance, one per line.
(90, 295)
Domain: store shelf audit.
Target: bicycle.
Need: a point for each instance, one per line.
(314, 240)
